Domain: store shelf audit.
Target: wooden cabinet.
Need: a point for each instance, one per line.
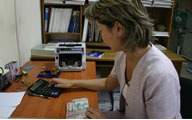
(56, 19)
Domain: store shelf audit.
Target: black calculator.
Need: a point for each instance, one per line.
(41, 87)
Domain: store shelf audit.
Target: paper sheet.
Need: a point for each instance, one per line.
(11, 98)
(5, 112)
(9, 102)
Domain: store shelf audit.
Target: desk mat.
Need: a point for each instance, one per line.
(48, 75)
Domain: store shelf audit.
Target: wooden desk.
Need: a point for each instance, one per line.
(109, 57)
(176, 60)
(36, 107)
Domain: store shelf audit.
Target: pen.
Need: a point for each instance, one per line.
(38, 95)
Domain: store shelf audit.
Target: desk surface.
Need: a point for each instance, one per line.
(110, 55)
(36, 107)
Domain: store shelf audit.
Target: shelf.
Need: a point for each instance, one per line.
(155, 6)
(109, 55)
(96, 44)
(158, 3)
(61, 33)
(58, 4)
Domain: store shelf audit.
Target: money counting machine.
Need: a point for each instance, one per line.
(70, 56)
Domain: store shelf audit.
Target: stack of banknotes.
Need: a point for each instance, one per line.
(77, 108)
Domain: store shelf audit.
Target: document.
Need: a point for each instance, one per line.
(11, 99)
(5, 112)
(9, 102)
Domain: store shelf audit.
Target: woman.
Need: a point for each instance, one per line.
(148, 81)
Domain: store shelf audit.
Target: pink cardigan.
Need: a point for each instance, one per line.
(154, 90)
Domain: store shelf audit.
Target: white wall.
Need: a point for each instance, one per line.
(20, 29)
(8, 41)
(28, 27)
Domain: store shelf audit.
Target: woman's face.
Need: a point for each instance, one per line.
(111, 36)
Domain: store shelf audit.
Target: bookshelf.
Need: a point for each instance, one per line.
(162, 19)
(161, 14)
(61, 22)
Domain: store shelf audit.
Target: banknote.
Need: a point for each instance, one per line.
(69, 111)
(80, 106)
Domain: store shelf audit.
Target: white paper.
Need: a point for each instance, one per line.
(11, 99)
(5, 112)
(9, 102)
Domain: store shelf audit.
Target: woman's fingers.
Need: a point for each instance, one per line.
(94, 113)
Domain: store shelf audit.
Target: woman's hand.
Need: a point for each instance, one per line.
(63, 83)
(94, 114)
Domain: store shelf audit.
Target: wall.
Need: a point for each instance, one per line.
(28, 27)
(8, 40)
(187, 38)
(20, 29)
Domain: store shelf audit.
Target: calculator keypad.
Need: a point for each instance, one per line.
(45, 89)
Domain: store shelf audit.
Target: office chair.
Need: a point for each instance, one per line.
(186, 97)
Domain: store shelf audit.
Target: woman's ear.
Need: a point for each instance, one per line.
(118, 28)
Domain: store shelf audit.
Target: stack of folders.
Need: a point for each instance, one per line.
(157, 3)
(71, 2)
(77, 108)
(147, 3)
(163, 3)
(75, 2)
